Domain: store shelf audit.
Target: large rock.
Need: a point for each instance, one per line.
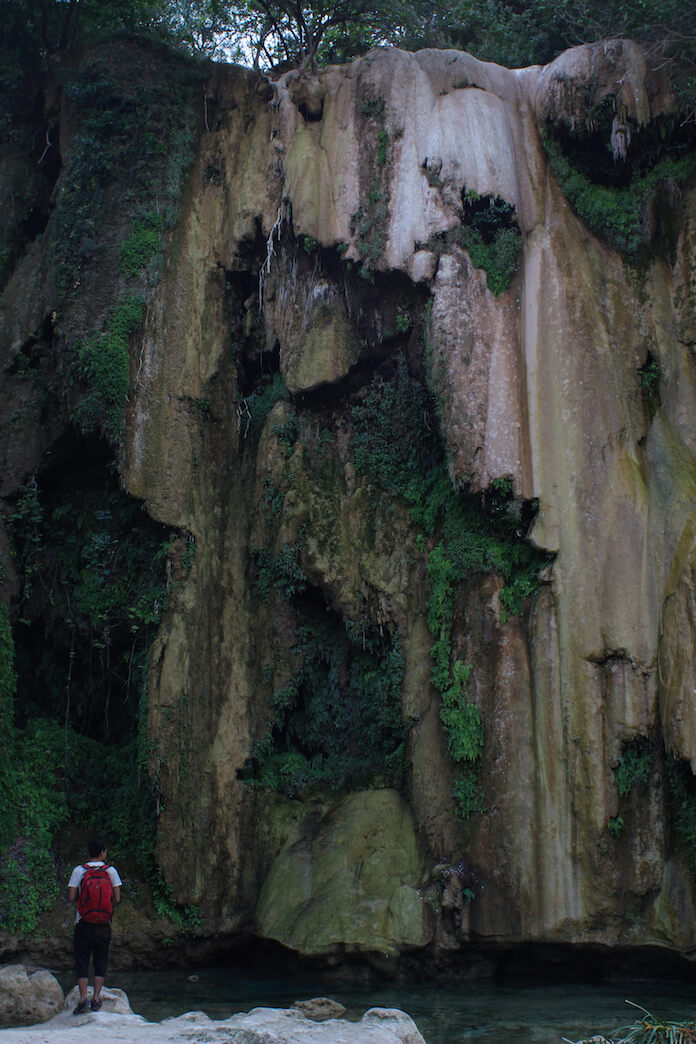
(114, 1001)
(350, 881)
(25, 998)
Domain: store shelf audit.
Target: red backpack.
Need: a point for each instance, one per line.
(96, 899)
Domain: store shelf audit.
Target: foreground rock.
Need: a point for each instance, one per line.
(116, 1022)
(27, 999)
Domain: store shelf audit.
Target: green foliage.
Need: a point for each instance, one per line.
(115, 146)
(270, 390)
(41, 27)
(369, 226)
(103, 561)
(491, 236)
(462, 723)
(652, 1030)
(8, 675)
(288, 434)
(382, 146)
(281, 572)
(141, 246)
(273, 500)
(615, 826)
(618, 215)
(103, 366)
(36, 801)
(25, 529)
(337, 723)
(682, 803)
(395, 442)
(649, 377)
(98, 589)
(369, 223)
(498, 259)
(461, 717)
(185, 918)
(135, 117)
(386, 424)
(636, 765)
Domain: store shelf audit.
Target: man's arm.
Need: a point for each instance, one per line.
(117, 894)
(72, 893)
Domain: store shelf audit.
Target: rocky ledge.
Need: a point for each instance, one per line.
(306, 1022)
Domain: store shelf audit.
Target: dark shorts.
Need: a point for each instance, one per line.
(91, 940)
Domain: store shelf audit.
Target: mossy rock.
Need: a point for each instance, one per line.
(350, 881)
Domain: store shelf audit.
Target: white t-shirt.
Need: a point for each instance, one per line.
(79, 872)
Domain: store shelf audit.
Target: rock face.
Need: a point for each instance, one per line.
(326, 239)
(26, 999)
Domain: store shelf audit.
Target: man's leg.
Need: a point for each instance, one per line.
(81, 947)
(102, 938)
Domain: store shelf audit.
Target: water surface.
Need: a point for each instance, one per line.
(472, 1013)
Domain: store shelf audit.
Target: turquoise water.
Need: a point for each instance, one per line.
(471, 1013)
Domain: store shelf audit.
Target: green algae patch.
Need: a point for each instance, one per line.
(351, 881)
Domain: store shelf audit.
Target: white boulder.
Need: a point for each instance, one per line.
(28, 999)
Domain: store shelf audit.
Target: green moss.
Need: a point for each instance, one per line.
(103, 367)
(141, 246)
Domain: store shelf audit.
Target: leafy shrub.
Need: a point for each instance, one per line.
(281, 572)
(636, 765)
(337, 723)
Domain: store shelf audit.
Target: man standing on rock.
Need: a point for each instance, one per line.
(97, 888)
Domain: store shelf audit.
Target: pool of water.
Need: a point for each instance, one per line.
(472, 1013)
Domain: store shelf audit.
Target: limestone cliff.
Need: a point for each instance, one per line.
(331, 302)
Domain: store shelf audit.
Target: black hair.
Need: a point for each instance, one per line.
(95, 846)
